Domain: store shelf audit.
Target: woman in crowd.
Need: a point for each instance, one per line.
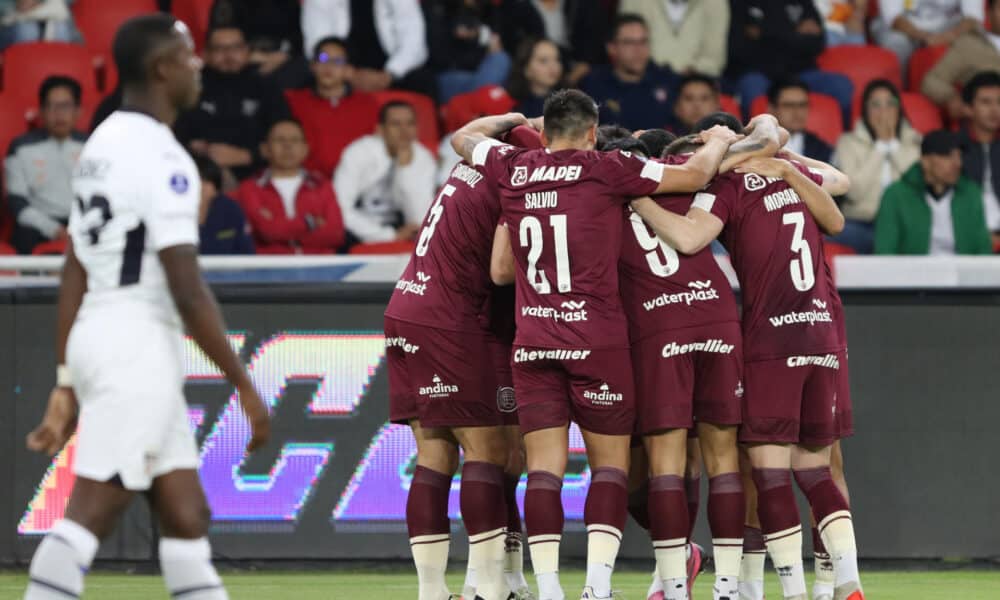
(537, 71)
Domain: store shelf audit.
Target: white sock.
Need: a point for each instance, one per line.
(671, 565)
(752, 576)
(837, 531)
(469, 587)
(59, 563)
(430, 556)
(545, 563)
(513, 563)
(603, 542)
(486, 554)
(187, 569)
(785, 548)
(656, 585)
(823, 568)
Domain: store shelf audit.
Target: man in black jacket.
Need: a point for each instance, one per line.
(981, 142)
(788, 100)
(236, 108)
(770, 39)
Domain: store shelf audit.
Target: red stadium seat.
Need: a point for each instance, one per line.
(6, 249)
(428, 131)
(922, 61)
(824, 116)
(862, 64)
(13, 121)
(730, 105)
(195, 14)
(924, 115)
(99, 20)
(50, 248)
(401, 247)
(25, 67)
(833, 249)
(487, 100)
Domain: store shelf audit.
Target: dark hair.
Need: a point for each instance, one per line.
(628, 144)
(568, 114)
(222, 26)
(331, 39)
(774, 92)
(517, 84)
(871, 88)
(208, 170)
(984, 79)
(608, 133)
(135, 43)
(656, 140)
(623, 20)
(697, 78)
(283, 121)
(383, 113)
(59, 81)
(718, 118)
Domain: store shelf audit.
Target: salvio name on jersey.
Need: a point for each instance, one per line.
(552, 173)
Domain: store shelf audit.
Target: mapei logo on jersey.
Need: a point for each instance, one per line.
(439, 389)
(412, 287)
(715, 346)
(522, 355)
(703, 291)
(809, 317)
(401, 343)
(506, 400)
(603, 397)
(552, 173)
(781, 199)
(574, 312)
(830, 361)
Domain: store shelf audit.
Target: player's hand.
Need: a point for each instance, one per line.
(721, 133)
(537, 123)
(749, 127)
(407, 232)
(765, 167)
(257, 415)
(57, 425)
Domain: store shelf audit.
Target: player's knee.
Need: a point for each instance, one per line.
(187, 521)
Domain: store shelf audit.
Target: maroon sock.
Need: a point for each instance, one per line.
(668, 517)
(638, 506)
(726, 505)
(510, 496)
(819, 548)
(427, 503)
(753, 540)
(482, 499)
(823, 495)
(692, 487)
(607, 498)
(775, 500)
(543, 510)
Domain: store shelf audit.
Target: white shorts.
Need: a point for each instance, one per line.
(128, 375)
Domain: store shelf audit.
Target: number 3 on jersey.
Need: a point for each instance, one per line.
(530, 234)
(800, 268)
(433, 216)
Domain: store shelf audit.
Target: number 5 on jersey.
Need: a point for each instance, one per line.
(531, 236)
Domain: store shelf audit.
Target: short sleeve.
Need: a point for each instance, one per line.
(629, 175)
(718, 198)
(171, 217)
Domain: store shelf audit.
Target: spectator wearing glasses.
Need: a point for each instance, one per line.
(686, 36)
(236, 108)
(222, 227)
(39, 165)
(880, 148)
(332, 113)
(632, 90)
(537, 72)
(788, 101)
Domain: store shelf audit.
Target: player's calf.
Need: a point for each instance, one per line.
(514, 552)
(782, 528)
(668, 510)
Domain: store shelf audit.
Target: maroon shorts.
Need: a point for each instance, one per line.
(444, 378)
(594, 388)
(796, 400)
(506, 400)
(687, 375)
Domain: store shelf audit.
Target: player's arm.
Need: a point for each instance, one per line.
(59, 421)
(465, 140)
(835, 181)
(201, 315)
(819, 202)
(502, 259)
(701, 167)
(764, 139)
(688, 234)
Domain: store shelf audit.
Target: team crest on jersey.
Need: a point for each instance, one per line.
(506, 401)
(179, 183)
(520, 176)
(754, 182)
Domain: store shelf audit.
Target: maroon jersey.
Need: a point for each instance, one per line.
(789, 299)
(447, 281)
(663, 290)
(565, 212)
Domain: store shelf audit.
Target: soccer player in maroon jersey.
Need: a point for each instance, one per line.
(443, 381)
(564, 208)
(767, 213)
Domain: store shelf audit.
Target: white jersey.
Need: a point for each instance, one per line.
(137, 191)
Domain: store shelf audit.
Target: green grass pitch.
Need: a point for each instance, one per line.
(374, 585)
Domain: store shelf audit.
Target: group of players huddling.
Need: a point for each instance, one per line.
(622, 322)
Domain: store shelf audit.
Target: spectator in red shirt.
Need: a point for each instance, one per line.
(332, 114)
(291, 210)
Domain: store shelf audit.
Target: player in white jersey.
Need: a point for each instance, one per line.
(130, 280)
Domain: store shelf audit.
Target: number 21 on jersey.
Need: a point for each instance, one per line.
(531, 237)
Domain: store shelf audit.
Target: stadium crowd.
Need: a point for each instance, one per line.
(323, 124)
